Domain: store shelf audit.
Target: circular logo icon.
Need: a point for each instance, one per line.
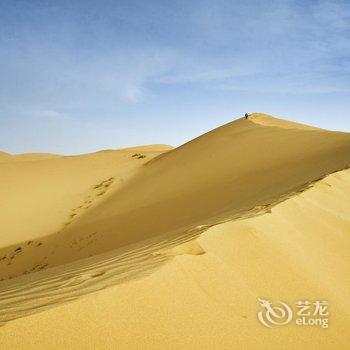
(271, 316)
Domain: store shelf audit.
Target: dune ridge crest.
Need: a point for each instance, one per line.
(267, 120)
(219, 175)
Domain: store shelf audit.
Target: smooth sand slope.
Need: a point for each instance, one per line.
(196, 234)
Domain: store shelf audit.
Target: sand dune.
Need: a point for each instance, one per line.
(4, 155)
(186, 239)
(26, 156)
(42, 196)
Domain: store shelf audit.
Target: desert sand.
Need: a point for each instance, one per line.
(157, 247)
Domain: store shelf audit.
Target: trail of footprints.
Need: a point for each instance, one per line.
(79, 243)
(9, 258)
(97, 191)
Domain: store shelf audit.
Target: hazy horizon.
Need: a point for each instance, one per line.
(121, 147)
(86, 76)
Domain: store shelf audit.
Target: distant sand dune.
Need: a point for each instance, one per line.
(4, 155)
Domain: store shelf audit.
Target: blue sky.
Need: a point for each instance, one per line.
(87, 75)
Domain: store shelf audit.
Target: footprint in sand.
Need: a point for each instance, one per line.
(138, 156)
(39, 267)
(11, 256)
(103, 186)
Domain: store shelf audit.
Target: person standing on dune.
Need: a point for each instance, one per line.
(246, 116)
